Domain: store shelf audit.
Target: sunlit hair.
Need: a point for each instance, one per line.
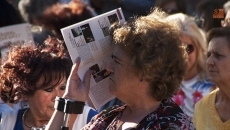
(153, 44)
(219, 32)
(26, 65)
(62, 15)
(189, 28)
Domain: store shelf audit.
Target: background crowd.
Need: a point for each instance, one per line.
(202, 90)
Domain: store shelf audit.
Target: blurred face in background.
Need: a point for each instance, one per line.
(192, 55)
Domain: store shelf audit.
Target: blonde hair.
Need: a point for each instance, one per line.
(189, 28)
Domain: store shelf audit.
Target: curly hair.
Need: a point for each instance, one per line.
(189, 28)
(156, 51)
(62, 15)
(25, 65)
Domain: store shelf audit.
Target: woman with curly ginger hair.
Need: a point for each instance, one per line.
(37, 75)
(149, 63)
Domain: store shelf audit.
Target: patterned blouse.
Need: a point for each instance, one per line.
(191, 92)
(168, 116)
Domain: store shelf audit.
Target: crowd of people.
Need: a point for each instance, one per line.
(175, 62)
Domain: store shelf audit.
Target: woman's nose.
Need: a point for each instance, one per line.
(209, 61)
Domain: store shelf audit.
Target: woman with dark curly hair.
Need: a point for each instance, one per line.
(62, 15)
(149, 63)
(36, 75)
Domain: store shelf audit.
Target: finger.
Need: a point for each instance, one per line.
(86, 80)
(73, 74)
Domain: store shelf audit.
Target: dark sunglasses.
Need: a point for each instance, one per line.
(189, 48)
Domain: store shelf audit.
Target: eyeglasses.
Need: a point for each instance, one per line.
(189, 48)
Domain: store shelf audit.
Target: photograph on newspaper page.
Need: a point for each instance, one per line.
(17, 34)
(90, 40)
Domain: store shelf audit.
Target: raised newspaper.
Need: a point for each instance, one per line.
(14, 35)
(90, 40)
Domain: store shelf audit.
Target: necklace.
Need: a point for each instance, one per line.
(29, 126)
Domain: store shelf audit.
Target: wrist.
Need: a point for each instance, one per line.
(74, 107)
(68, 105)
(59, 104)
(73, 98)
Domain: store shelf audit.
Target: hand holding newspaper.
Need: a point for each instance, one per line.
(90, 40)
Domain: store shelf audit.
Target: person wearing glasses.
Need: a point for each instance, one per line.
(195, 84)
